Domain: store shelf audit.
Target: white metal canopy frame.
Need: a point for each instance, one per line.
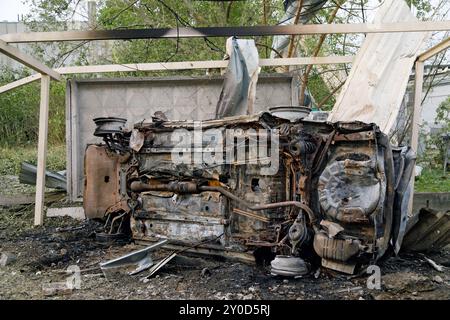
(45, 74)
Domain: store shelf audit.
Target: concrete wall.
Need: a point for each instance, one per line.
(435, 97)
(439, 201)
(439, 92)
(139, 98)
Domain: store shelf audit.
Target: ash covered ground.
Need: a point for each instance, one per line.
(43, 254)
(40, 257)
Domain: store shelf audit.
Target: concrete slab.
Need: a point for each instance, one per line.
(73, 212)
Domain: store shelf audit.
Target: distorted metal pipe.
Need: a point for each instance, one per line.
(191, 187)
(228, 194)
(174, 186)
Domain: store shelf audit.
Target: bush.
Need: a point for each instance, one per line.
(435, 145)
(19, 112)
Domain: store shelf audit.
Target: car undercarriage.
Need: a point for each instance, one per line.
(256, 188)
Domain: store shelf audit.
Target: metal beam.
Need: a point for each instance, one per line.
(186, 32)
(435, 50)
(304, 61)
(184, 65)
(417, 111)
(27, 60)
(20, 82)
(415, 122)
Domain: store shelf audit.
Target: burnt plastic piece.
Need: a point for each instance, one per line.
(335, 249)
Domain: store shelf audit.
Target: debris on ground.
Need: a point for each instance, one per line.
(40, 271)
(73, 212)
(52, 289)
(434, 264)
(6, 258)
(142, 259)
(205, 272)
(430, 231)
(54, 180)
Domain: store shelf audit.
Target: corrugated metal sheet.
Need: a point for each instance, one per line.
(430, 233)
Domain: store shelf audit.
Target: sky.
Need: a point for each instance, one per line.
(9, 9)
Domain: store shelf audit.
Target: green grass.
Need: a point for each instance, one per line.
(12, 157)
(432, 180)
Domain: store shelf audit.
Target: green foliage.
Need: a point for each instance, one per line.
(442, 119)
(19, 108)
(423, 7)
(443, 115)
(320, 91)
(435, 146)
(12, 157)
(175, 13)
(19, 112)
(432, 180)
(53, 15)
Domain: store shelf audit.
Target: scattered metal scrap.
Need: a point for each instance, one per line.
(436, 266)
(430, 232)
(141, 258)
(6, 258)
(55, 180)
(160, 264)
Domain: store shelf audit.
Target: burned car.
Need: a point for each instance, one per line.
(254, 187)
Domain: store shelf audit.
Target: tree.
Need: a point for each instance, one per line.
(323, 82)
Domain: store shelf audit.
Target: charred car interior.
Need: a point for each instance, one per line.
(257, 188)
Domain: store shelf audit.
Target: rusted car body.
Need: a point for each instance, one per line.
(252, 187)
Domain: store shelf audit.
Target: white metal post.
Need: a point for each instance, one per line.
(416, 116)
(42, 150)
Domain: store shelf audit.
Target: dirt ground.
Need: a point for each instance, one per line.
(42, 255)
